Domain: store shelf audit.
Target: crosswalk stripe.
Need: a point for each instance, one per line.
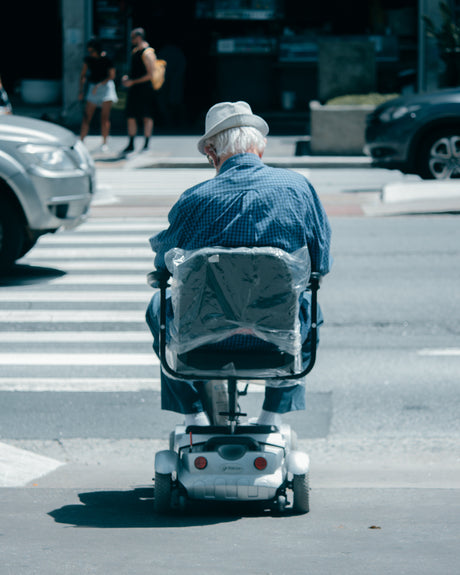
(68, 358)
(75, 297)
(71, 316)
(75, 336)
(119, 226)
(99, 265)
(79, 239)
(449, 352)
(90, 385)
(78, 384)
(100, 279)
(91, 253)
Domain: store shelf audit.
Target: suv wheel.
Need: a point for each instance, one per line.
(439, 156)
(11, 234)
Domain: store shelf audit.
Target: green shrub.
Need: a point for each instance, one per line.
(361, 99)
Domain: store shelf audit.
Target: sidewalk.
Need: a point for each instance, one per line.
(181, 152)
(431, 196)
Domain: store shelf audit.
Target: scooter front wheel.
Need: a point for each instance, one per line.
(163, 489)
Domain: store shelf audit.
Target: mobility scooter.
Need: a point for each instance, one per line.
(234, 322)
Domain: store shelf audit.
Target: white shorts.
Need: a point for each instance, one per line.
(104, 93)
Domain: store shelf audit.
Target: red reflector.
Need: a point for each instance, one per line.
(201, 462)
(260, 463)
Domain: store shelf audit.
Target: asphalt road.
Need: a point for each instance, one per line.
(79, 393)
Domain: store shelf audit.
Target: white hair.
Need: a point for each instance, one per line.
(237, 141)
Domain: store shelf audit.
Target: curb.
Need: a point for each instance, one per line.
(326, 162)
(424, 197)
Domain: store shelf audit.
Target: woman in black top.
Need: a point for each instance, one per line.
(98, 72)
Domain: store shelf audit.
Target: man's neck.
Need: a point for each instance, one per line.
(223, 159)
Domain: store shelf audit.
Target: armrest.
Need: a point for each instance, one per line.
(158, 278)
(315, 280)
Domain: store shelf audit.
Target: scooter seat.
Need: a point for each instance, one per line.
(207, 359)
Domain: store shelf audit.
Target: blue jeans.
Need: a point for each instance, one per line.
(184, 396)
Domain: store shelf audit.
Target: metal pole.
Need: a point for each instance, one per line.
(421, 71)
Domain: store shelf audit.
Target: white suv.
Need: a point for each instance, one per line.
(47, 180)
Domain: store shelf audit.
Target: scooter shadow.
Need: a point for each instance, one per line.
(134, 509)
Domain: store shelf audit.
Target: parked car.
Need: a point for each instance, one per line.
(417, 134)
(47, 180)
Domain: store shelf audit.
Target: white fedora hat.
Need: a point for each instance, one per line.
(227, 115)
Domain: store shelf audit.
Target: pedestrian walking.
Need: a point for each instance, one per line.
(97, 80)
(140, 97)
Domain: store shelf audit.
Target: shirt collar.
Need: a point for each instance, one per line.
(247, 159)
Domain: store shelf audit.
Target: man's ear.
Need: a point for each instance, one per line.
(210, 152)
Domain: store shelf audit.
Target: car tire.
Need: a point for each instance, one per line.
(11, 233)
(439, 155)
(27, 245)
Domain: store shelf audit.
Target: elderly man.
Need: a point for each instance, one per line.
(246, 204)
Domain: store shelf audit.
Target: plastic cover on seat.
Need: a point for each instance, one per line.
(218, 293)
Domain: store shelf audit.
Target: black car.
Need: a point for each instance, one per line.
(417, 134)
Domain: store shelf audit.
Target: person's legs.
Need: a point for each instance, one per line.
(148, 129)
(185, 396)
(292, 397)
(177, 395)
(105, 120)
(88, 114)
(132, 131)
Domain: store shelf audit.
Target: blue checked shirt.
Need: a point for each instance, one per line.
(249, 204)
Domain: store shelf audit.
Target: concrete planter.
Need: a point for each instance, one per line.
(338, 130)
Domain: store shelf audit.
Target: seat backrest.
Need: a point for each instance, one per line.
(220, 292)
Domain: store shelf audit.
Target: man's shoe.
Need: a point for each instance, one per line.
(269, 418)
(199, 418)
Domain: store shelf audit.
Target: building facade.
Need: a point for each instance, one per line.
(276, 54)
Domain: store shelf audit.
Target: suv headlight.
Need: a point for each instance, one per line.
(48, 157)
(396, 112)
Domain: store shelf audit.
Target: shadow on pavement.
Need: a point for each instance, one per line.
(21, 274)
(134, 509)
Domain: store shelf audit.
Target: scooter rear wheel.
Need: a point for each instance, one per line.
(163, 488)
(301, 489)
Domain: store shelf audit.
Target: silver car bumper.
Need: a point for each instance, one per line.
(52, 200)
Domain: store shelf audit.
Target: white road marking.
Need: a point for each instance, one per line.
(80, 239)
(78, 384)
(68, 358)
(120, 226)
(100, 265)
(19, 467)
(71, 316)
(91, 253)
(74, 296)
(448, 351)
(100, 279)
(75, 336)
(89, 384)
